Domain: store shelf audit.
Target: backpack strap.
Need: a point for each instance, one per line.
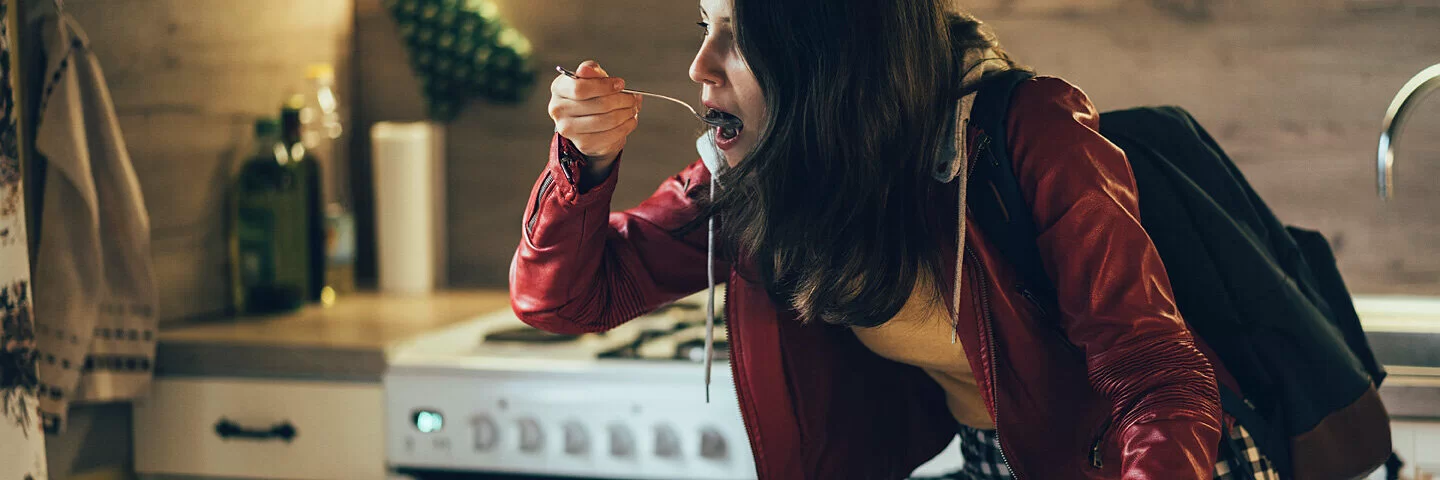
(994, 197)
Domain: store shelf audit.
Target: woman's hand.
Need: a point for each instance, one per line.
(594, 114)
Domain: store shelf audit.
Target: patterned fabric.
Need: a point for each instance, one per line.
(983, 460)
(22, 445)
(1240, 459)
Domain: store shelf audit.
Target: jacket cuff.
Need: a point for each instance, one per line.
(569, 164)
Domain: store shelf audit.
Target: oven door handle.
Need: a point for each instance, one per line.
(228, 429)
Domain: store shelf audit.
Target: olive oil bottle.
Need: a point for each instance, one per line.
(274, 230)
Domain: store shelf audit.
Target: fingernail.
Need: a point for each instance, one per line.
(619, 84)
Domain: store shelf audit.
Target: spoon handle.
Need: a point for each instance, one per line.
(687, 106)
(656, 95)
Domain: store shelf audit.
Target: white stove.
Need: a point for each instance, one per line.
(493, 396)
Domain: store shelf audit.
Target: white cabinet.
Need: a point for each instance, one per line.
(1418, 444)
(1422, 447)
(337, 429)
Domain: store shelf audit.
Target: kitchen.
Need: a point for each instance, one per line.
(395, 384)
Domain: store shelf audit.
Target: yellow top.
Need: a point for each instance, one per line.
(920, 335)
(320, 71)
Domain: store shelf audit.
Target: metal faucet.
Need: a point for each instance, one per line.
(1425, 82)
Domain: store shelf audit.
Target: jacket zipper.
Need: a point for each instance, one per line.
(1099, 441)
(1095, 447)
(545, 184)
(1025, 292)
(1095, 460)
(980, 144)
(734, 341)
(1045, 315)
(990, 338)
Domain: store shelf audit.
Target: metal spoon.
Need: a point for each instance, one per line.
(714, 122)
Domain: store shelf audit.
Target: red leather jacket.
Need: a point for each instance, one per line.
(1109, 383)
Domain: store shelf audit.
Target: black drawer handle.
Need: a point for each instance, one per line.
(227, 429)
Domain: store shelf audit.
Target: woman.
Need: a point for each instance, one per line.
(858, 350)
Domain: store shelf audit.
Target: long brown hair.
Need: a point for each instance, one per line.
(834, 209)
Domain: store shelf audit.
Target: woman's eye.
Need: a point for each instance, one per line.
(704, 27)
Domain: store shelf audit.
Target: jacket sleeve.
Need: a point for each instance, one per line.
(1114, 296)
(581, 268)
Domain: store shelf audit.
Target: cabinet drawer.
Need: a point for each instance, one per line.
(337, 429)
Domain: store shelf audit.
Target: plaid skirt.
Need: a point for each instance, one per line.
(1239, 458)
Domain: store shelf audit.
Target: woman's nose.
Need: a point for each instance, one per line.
(706, 69)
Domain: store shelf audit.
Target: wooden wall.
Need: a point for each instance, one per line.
(188, 78)
(1295, 92)
(1293, 89)
(496, 152)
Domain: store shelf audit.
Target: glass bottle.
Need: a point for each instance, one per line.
(307, 164)
(270, 228)
(322, 130)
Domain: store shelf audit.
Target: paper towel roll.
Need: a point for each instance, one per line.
(408, 161)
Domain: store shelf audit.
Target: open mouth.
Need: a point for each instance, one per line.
(730, 125)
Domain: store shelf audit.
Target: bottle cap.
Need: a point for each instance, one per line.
(295, 102)
(320, 71)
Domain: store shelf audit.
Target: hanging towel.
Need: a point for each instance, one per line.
(94, 290)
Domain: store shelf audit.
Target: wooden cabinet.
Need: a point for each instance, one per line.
(314, 374)
(229, 428)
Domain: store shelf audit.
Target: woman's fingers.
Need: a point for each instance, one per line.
(585, 88)
(563, 107)
(607, 143)
(591, 110)
(595, 123)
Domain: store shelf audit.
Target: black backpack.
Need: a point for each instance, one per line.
(1266, 298)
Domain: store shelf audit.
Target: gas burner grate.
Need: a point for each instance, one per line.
(528, 335)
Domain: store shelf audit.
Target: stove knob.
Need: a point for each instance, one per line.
(485, 431)
(667, 442)
(577, 442)
(622, 442)
(531, 438)
(712, 444)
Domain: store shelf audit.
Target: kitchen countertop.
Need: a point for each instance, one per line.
(345, 342)
(350, 341)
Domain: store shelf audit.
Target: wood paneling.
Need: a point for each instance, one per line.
(1297, 102)
(1293, 89)
(188, 77)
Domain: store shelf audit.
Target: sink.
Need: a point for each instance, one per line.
(1404, 332)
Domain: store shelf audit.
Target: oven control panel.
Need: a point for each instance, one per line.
(594, 419)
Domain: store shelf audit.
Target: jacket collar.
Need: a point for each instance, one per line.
(951, 161)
